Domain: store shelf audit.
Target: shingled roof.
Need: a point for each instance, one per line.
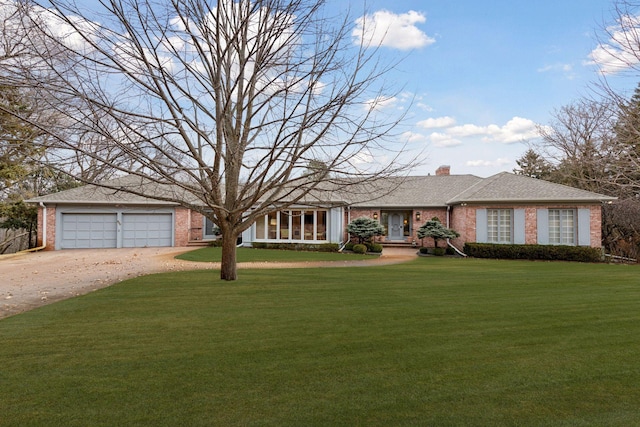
(115, 193)
(406, 192)
(388, 193)
(506, 187)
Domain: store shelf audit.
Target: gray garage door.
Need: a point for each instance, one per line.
(140, 230)
(83, 231)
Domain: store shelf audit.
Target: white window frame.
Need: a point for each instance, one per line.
(500, 226)
(563, 227)
(286, 218)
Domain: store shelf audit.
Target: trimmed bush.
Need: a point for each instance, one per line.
(323, 247)
(424, 251)
(359, 249)
(533, 252)
(374, 247)
(438, 251)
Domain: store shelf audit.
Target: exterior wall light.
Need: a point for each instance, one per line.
(417, 216)
(375, 216)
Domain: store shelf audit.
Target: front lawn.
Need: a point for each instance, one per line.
(214, 254)
(431, 342)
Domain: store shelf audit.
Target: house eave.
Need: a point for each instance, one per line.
(531, 201)
(392, 207)
(104, 202)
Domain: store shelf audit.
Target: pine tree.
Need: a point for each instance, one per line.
(533, 165)
(434, 229)
(364, 229)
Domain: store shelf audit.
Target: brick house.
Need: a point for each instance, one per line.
(503, 208)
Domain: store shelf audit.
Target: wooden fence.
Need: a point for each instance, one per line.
(12, 241)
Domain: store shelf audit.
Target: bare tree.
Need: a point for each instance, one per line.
(25, 114)
(621, 227)
(226, 103)
(580, 143)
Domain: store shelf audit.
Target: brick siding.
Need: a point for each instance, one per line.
(182, 226)
(464, 221)
(51, 228)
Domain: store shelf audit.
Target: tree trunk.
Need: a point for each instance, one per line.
(228, 268)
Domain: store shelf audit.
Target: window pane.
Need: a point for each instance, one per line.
(567, 227)
(273, 225)
(308, 225)
(296, 227)
(322, 225)
(406, 231)
(505, 226)
(492, 225)
(554, 226)
(260, 228)
(384, 221)
(284, 225)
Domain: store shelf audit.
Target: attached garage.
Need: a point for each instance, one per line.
(141, 230)
(88, 230)
(95, 228)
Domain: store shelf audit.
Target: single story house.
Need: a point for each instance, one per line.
(503, 208)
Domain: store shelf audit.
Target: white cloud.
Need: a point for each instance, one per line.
(443, 140)
(363, 159)
(488, 163)
(620, 51)
(381, 103)
(515, 130)
(75, 35)
(612, 59)
(566, 69)
(385, 28)
(414, 137)
(424, 107)
(437, 122)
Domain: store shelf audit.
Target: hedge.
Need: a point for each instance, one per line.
(533, 252)
(321, 247)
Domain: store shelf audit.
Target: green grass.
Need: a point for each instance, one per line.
(211, 254)
(432, 342)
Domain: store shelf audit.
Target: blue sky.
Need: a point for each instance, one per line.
(482, 74)
(488, 70)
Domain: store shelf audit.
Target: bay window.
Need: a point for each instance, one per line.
(293, 225)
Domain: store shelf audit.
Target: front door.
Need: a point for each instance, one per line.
(396, 228)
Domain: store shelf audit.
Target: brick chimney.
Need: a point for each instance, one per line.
(443, 170)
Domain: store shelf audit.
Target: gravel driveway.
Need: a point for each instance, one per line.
(34, 279)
